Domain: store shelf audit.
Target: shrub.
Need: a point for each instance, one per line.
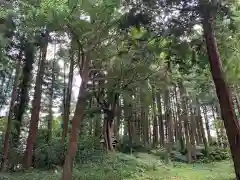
(50, 155)
(216, 154)
(126, 148)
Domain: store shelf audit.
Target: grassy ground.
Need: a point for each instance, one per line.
(139, 167)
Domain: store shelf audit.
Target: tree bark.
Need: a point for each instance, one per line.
(76, 122)
(24, 92)
(50, 118)
(11, 112)
(169, 124)
(160, 119)
(155, 123)
(207, 124)
(216, 127)
(36, 106)
(223, 92)
(201, 128)
(68, 97)
(186, 123)
(180, 127)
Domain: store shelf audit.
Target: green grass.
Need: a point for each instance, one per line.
(141, 166)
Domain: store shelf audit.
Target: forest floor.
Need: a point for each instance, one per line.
(142, 166)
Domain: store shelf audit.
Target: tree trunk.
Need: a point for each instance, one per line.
(201, 128)
(24, 92)
(223, 92)
(97, 131)
(186, 123)
(50, 118)
(180, 127)
(155, 123)
(108, 125)
(144, 120)
(216, 128)
(128, 117)
(238, 105)
(220, 126)
(11, 112)
(36, 106)
(169, 124)
(160, 119)
(193, 131)
(207, 124)
(76, 122)
(117, 122)
(68, 98)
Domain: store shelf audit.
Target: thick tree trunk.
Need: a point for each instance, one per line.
(223, 92)
(10, 114)
(76, 122)
(36, 106)
(68, 98)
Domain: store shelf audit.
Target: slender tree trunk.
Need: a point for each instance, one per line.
(117, 122)
(76, 122)
(144, 120)
(63, 107)
(201, 127)
(128, 117)
(220, 125)
(50, 118)
(169, 125)
(5, 85)
(11, 112)
(24, 92)
(180, 127)
(186, 123)
(223, 92)
(193, 131)
(198, 124)
(36, 106)
(207, 124)
(160, 119)
(68, 97)
(97, 131)
(216, 128)
(238, 105)
(155, 123)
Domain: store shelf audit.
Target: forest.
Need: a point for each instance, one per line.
(119, 89)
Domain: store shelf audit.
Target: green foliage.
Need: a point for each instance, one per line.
(216, 154)
(125, 147)
(50, 155)
(144, 166)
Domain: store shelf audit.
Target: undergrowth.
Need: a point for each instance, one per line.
(140, 166)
